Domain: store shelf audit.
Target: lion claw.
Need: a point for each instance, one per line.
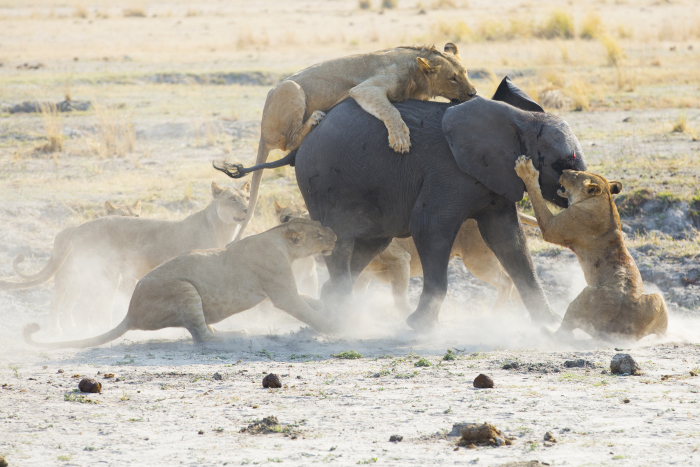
(316, 117)
(525, 169)
(400, 141)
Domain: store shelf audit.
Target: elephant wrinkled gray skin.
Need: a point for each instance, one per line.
(461, 165)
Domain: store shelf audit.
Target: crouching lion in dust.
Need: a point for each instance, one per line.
(88, 261)
(374, 80)
(202, 287)
(614, 303)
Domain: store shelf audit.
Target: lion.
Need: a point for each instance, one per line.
(400, 261)
(613, 303)
(91, 258)
(197, 289)
(374, 80)
(111, 209)
(304, 268)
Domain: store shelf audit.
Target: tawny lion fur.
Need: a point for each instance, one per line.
(201, 288)
(90, 259)
(613, 304)
(304, 268)
(374, 80)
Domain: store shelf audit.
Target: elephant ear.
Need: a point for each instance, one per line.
(486, 139)
(511, 94)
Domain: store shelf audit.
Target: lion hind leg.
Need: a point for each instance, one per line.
(591, 311)
(641, 317)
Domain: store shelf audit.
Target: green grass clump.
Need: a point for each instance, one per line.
(450, 355)
(348, 355)
(422, 363)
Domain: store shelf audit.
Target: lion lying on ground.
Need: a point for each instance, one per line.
(374, 80)
(201, 288)
(111, 210)
(614, 302)
(93, 256)
(400, 261)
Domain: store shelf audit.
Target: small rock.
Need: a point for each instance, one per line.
(511, 366)
(626, 401)
(272, 381)
(395, 438)
(550, 437)
(60, 371)
(693, 373)
(580, 363)
(200, 432)
(89, 385)
(628, 119)
(604, 372)
(483, 382)
(624, 364)
(218, 376)
(108, 375)
(3, 462)
(75, 376)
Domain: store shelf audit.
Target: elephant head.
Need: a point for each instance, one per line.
(487, 136)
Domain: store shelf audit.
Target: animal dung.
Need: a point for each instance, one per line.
(483, 382)
(482, 435)
(624, 364)
(3, 462)
(272, 381)
(550, 437)
(89, 385)
(108, 375)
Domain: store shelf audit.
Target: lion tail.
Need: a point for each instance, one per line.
(108, 336)
(42, 276)
(529, 220)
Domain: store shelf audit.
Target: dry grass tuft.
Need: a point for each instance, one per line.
(681, 124)
(560, 24)
(579, 96)
(134, 13)
(115, 132)
(592, 26)
(613, 50)
(191, 12)
(247, 39)
(390, 4)
(454, 31)
(444, 5)
(53, 127)
(80, 12)
(364, 4)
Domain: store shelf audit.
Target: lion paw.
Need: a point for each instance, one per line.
(400, 141)
(525, 169)
(316, 117)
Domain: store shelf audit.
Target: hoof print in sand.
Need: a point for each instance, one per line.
(483, 382)
(482, 435)
(624, 364)
(89, 385)
(272, 381)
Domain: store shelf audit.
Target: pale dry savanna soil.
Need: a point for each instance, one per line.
(175, 85)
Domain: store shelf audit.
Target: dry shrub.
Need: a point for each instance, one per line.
(560, 24)
(364, 4)
(115, 132)
(444, 5)
(613, 50)
(454, 31)
(53, 127)
(390, 4)
(625, 80)
(579, 96)
(681, 124)
(80, 12)
(134, 13)
(592, 26)
(246, 38)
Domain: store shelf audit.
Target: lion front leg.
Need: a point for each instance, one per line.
(372, 97)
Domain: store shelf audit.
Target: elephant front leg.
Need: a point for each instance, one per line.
(504, 235)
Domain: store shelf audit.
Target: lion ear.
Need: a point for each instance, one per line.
(425, 67)
(246, 187)
(137, 206)
(216, 190)
(615, 187)
(451, 48)
(278, 207)
(110, 208)
(592, 188)
(294, 237)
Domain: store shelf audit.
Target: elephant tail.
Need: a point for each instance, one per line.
(529, 220)
(238, 171)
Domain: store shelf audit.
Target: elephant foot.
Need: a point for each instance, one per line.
(421, 321)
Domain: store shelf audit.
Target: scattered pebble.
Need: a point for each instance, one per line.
(626, 401)
(272, 381)
(483, 382)
(396, 438)
(579, 363)
(200, 432)
(60, 371)
(89, 385)
(624, 364)
(219, 377)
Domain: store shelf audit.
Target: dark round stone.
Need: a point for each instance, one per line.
(483, 382)
(89, 385)
(272, 381)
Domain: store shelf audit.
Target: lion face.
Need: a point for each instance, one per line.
(577, 186)
(449, 76)
(231, 203)
(306, 237)
(286, 213)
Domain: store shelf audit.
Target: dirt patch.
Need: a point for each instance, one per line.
(270, 425)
